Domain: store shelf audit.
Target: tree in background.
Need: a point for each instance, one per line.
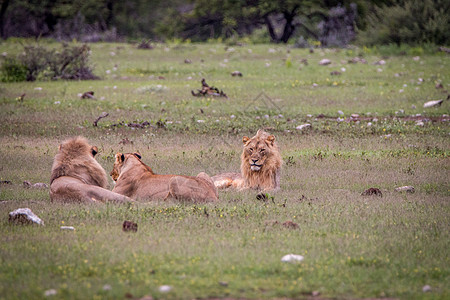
(408, 22)
(332, 22)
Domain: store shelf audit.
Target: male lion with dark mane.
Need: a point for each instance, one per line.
(78, 177)
(136, 180)
(260, 165)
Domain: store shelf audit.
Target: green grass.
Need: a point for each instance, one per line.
(354, 246)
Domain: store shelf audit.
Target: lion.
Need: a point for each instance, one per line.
(138, 181)
(260, 165)
(77, 177)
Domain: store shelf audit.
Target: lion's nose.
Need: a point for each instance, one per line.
(254, 160)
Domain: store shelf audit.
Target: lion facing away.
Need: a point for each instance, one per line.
(260, 165)
(78, 177)
(136, 180)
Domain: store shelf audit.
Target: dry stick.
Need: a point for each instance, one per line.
(103, 115)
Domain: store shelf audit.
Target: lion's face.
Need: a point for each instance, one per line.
(258, 150)
(118, 164)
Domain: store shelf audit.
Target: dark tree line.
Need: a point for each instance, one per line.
(332, 22)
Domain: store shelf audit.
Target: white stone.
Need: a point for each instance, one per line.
(292, 258)
(67, 228)
(432, 103)
(165, 288)
(406, 188)
(369, 124)
(200, 121)
(426, 288)
(51, 292)
(107, 287)
(340, 112)
(324, 62)
(26, 215)
(420, 123)
(303, 126)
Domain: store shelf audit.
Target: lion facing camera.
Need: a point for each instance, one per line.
(260, 165)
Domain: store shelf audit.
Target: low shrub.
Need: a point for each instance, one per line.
(12, 71)
(40, 63)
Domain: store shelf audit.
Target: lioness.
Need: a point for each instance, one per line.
(136, 180)
(260, 165)
(77, 176)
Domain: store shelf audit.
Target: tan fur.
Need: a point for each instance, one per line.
(77, 177)
(137, 180)
(260, 165)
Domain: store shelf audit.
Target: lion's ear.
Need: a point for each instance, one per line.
(94, 150)
(137, 155)
(245, 139)
(120, 157)
(270, 139)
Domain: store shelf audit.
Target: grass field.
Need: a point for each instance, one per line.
(353, 246)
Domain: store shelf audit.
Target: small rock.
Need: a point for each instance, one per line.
(67, 228)
(413, 106)
(372, 191)
(380, 62)
(39, 185)
(5, 182)
(107, 287)
(324, 62)
(187, 61)
(406, 188)
(335, 73)
(290, 225)
(24, 216)
(303, 126)
(223, 283)
(416, 58)
(354, 116)
(369, 124)
(420, 123)
(340, 112)
(426, 288)
(433, 103)
(315, 293)
(292, 258)
(87, 95)
(439, 85)
(236, 73)
(129, 226)
(165, 288)
(51, 292)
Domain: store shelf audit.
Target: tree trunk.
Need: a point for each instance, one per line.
(3, 9)
(269, 25)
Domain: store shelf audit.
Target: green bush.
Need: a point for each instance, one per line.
(40, 63)
(12, 70)
(410, 22)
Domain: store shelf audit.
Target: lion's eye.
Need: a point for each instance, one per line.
(251, 149)
(262, 150)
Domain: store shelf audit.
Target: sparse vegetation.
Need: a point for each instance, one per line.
(354, 246)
